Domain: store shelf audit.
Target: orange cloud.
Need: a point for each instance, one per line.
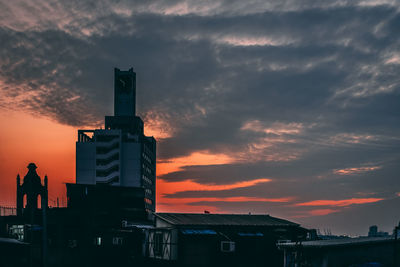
(339, 203)
(157, 126)
(351, 171)
(320, 212)
(164, 187)
(198, 158)
(173, 187)
(350, 138)
(316, 212)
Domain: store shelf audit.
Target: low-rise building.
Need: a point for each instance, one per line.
(362, 251)
(187, 239)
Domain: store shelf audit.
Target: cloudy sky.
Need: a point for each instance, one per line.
(290, 108)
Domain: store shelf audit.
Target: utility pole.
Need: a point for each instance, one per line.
(396, 231)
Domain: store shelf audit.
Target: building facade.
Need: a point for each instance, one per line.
(120, 154)
(361, 251)
(190, 239)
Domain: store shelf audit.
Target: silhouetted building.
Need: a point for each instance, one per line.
(373, 232)
(107, 205)
(14, 253)
(362, 251)
(120, 154)
(187, 239)
(32, 188)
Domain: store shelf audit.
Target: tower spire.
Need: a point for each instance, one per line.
(124, 92)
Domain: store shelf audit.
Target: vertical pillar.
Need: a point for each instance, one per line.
(44, 220)
(20, 197)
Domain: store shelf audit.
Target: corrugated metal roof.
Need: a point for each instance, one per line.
(338, 242)
(222, 219)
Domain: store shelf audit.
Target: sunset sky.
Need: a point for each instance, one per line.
(290, 108)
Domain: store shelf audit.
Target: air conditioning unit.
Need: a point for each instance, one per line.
(227, 246)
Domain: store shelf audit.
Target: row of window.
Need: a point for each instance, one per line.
(102, 162)
(147, 158)
(104, 173)
(104, 150)
(105, 138)
(148, 201)
(148, 192)
(146, 169)
(147, 150)
(116, 240)
(147, 180)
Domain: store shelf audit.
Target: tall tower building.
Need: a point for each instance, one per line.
(120, 154)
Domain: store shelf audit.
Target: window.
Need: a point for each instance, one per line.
(148, 191)
(97, 241)
(227, 246)
(157, 239)
(17, 231)
(117, 241)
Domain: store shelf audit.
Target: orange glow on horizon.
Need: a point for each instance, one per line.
(50, 145)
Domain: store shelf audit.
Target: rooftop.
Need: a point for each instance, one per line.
(338, 242)
(201, 219)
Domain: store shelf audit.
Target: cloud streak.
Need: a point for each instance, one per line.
(340, 203)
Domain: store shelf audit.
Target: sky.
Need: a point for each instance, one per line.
(289, 108)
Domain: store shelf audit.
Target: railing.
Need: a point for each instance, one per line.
(7, 211)
(102, 162)
(83, 137)
(107, 166)
(107, 172)
(110, 178)
(108, 144)
(108, 154)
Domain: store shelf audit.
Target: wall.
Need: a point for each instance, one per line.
(130, 165)
(85, 163)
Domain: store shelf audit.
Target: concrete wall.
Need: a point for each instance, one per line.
(130, 165)
(85, 163)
